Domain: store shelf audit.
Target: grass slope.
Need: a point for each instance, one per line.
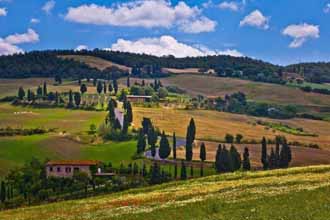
(278, 194)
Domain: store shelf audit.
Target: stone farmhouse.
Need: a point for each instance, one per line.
(66, 168)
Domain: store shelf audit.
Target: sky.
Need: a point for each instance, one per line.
(282, 31)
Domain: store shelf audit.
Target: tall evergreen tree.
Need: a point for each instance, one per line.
(141, 144)
(44, 90)
(99, 87)
(235, 158)
(77, 98)
(29, 95)
(246, 160)
(227, 163)
(190, 138)
(264, 155)
(155, 174)
(39, 92)
(272, 159)
(83, 88)
(129, 112)
(183, 175)
(128, 83)
(111, 112)
(70, 103)
(21, 93)
(218, 160)
(277, 151)
(202, 156)
(164, 147)
(115, 86)
(104, 88)
(125, 125)
(110, 88)
(174, 146)
(152, 140)
(3, 192)
(285, 155)
(146, 125)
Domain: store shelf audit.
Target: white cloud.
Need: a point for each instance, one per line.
(3, 12)
(141, 13)
(256, 19)
(81, 47)
(202, 25)
(30, 37)
(301, 33)
(164, 46)
(8, 49)
(9, 46)
(34, 21)
(48, 6)
(229, 52)
(233, 6)
(326, 8)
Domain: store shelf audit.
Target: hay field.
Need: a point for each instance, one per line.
(95, 62)
(250, 195)
(212, 125)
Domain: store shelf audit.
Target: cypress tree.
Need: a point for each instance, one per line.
(104, 88)
(146, 125)
(21, 93)
(141, 144)
(183, 175)
(285, 155)
(117, 125)
(235, 158)
(227, 163)
(152, 140)
(110, 88)
(277, 151)
(272, 159)
(83, 89)
(164, 147)
(44, 91)
(125, 124)
(218, 159)
(202, 156)
(39, 92)
(128, 83)
(29, 95)
(190, 138)
(155, 174)
(246, 159)
(99, 87)
(129, 112)
(3, 192)
(174, 146)
(115, 86)
(111, 112)
(264, 156)
(70, 103)
(77, 98)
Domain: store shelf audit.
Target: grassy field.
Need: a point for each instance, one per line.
(278, 194)
(96, 62)
(212, 125)
(265, 92)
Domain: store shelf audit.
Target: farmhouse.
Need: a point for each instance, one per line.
(66, 168)
(139, 98)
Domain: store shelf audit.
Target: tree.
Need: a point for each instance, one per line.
(125, 124)
(155, 174)
(117, 125)
(83, 88)
(183, 175)
(77, 98)
(146, 125)
(227, 163)
(70, 103)
(115, 86)
(99, 87)
(29, 95)
(58, 79)
(174, 146)
(44, 90)
(235, 158)
(164, 147)
(202, 156)
(272, 159)
(141, 144)
(264, 156)
(277, 150)
(152, 140)
(246, 160)
(285, 155)
(239, 138)
(39, 92)
(104, 88)
(3, 192)
(218, 160)
(190, 138)
(129, 112)
(110, 88)
(128, 83)
(111, 112)
(21, 93)
(229, 138)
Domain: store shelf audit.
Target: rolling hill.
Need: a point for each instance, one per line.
(277, 194)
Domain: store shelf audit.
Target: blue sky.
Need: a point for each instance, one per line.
(281, 31)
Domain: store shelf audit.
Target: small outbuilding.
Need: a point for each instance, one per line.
(66, 168)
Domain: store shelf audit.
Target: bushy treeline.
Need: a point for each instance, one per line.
(312, 72)
(48, 64)
(315, 90)
(8, 131)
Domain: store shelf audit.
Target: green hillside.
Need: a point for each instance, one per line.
(279, 194)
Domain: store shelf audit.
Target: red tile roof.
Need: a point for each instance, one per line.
(73, 162)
